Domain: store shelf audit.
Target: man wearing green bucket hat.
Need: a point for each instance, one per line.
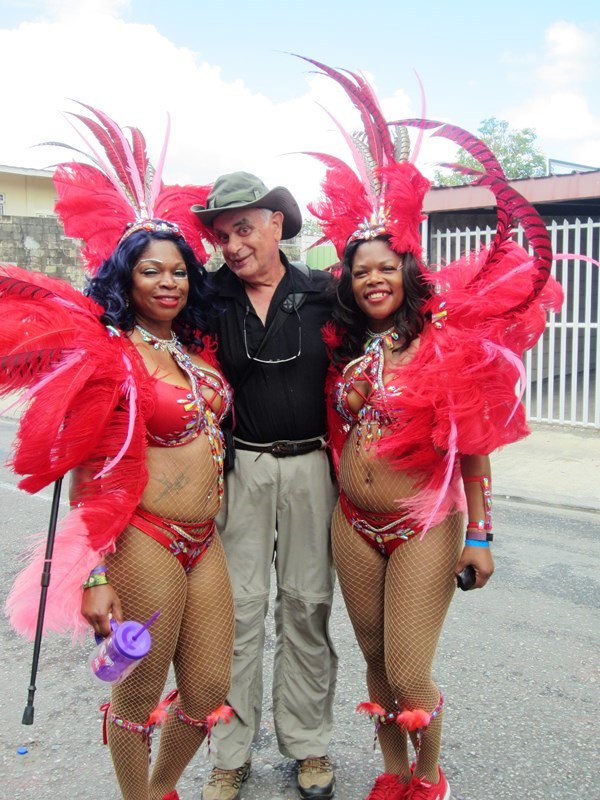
(279, 494)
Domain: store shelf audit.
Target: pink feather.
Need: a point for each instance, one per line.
(450, 466)
(222, 714)
(370, 709)
(119, 143)
(414, 720)
(158, 715)
(358, 159)
(157, 179)
(72, 561)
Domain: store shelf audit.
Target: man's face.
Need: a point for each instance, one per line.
(250, 240)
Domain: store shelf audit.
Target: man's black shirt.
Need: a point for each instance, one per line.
(283, 400)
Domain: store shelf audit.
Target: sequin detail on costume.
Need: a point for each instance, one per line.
(416, 720)
(187, 541)
(438, 318)
(384, 532)
(373, 415)
(145, 730)
(199, 417)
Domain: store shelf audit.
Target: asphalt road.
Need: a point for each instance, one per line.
(518, 666)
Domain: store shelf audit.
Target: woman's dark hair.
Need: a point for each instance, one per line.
(111, 286)
(408, 319)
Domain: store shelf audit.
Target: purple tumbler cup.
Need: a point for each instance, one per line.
(114, 657)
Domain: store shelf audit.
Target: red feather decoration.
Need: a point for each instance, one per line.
(97, 203)
(414, 720)
(86, 396)
(159, 714)
(386, 196)
(222, 714)
(370, 709)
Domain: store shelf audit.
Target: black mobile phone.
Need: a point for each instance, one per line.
(465, 580)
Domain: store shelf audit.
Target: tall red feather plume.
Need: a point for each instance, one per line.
(387, 194)
(97, 203)
(344, 201)
(511, 205)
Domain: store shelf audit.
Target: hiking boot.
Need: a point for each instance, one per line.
(421, 789)
(316, 780)
(388, 787)
(225, 784)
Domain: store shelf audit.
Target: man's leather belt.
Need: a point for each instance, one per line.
(284, 447)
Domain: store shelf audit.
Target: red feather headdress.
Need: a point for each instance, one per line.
(121, 192)
(385, 194)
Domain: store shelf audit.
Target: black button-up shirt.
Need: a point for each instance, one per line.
(284, 400)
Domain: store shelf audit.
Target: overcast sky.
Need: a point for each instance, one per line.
(237, 100)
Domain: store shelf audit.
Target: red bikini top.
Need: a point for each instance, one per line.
(182, 412)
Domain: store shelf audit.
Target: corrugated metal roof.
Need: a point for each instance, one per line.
(546, 189)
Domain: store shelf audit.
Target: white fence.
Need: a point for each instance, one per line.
(563, 375)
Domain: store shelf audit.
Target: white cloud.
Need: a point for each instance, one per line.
(559, 106)
(137, 76)
(86, 50)
(570, 55)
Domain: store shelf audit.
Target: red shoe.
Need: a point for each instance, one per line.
(421, 789)
(171, 796)
(388, 787)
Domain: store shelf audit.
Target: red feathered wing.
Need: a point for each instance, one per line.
(86, 395)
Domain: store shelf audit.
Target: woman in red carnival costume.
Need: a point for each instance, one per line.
(422, 390)
(122, 390)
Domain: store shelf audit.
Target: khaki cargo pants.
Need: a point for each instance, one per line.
(277, 511)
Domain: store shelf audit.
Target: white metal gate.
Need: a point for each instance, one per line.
(563, 375)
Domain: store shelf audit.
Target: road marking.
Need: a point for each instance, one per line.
(40, 496)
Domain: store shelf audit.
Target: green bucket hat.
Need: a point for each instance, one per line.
(243, 190)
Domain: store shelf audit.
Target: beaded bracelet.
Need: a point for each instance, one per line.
(96, 580)
(476, 543)
(486, 490)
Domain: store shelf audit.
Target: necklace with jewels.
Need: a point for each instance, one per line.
(194, 404)
(389, 337)
(171, 345)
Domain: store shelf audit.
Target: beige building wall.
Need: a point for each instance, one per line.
(26, 192)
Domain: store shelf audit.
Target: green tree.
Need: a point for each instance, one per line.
(516, 151)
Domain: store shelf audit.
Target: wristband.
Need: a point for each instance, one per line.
(478, 534)
(99, 570)
(95, 580)
(476, 543)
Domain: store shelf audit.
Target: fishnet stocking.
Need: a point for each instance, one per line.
(202, 664)
(397, 606)
(194, 629)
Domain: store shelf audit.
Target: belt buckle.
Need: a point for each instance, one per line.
(280, 449)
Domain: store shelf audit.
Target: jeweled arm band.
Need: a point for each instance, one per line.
(481, 530)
